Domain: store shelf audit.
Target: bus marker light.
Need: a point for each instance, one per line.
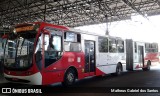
(82, 69)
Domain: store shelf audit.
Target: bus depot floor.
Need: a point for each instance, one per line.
(134, 79)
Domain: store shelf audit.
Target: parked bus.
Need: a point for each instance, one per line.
(41, 53)
(152, 53)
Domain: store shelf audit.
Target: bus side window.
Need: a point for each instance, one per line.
(72, 46)
(53, 48)
(147, 49)
(38, 52)
(120, 46)
(72, 42)
(46, 42)
(154, 47)
(39, 44)
(135, 47)
(76, 47)
(112, 45)
(103, 44)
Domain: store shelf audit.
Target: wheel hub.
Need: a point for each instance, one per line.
(70, 77)
(119, 70)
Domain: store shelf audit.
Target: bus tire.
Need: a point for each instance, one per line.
(69, 78)
(119, 70)
(148, 66)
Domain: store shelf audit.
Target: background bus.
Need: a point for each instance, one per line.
(152, 53)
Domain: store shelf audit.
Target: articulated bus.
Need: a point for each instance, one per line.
(40, 54)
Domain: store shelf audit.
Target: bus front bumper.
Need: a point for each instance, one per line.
(34, 79)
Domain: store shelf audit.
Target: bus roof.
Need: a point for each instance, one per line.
(68, 29)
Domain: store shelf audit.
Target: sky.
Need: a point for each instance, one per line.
(138, 28)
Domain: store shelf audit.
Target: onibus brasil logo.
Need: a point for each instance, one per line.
(14, 90)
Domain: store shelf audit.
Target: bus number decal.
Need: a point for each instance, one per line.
(78, 59)
(70, 59)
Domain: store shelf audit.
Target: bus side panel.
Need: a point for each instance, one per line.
(50, 77)
(56, 71)
(99, 71)
(76, 60)
(107, 62)
(153, 57)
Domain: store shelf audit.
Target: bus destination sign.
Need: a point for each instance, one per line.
(25, 28)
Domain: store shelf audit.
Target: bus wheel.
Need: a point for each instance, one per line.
(148, 66)
(69, 78)
(118, 69)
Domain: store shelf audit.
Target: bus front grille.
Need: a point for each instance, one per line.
(17, 80)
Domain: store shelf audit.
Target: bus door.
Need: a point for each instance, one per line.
(89, 56)
(140, 56)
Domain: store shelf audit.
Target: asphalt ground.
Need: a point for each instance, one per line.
(147, 83)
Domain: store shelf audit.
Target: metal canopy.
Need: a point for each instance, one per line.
(74, 13)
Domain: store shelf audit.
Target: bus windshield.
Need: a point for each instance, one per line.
(19, 51)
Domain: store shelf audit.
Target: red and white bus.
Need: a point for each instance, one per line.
(152, 53)
(41, 53)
